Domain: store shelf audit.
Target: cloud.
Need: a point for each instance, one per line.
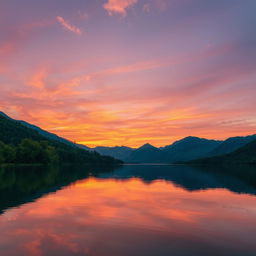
(68, 26)
(118, 6)
(38, 79)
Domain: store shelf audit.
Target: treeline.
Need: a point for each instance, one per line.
(28, 151)
(31, 151)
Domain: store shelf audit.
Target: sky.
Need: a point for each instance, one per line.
(128, 72)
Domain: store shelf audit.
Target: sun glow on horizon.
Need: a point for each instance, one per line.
(128, 72)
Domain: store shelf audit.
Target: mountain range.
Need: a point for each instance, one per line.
(184, 150)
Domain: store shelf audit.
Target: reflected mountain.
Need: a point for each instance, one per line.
(239, 178)
(21, 184)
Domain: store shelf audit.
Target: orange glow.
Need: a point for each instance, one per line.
(80, 110)
(118, 6)
(152, 74)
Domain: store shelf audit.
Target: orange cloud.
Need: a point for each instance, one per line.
(38, 79)
(68, 26)
(87, 111)
(118, 6)
(132, 102)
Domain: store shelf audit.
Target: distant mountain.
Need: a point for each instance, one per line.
(243, 155)
(147, 154)
(83, 147)
(190, 148)
(13, 133)
(231, 144)
(117, 152)
(186, 149)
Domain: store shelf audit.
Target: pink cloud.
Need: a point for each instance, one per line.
(68, 26)
(118, 6)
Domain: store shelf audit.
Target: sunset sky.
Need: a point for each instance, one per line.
(127, 72)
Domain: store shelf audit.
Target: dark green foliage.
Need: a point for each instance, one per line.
(22, 144)
(28, 151)
(7, 153)
(1, 156)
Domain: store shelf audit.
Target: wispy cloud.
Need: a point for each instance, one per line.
(68, 26)
(118, 6)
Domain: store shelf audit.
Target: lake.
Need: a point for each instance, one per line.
(134, 210)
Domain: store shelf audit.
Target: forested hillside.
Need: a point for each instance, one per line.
(244, 155)
(20, 144)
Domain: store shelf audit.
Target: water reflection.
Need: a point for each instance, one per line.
(238, 178)
(23, 183)
(134, 210)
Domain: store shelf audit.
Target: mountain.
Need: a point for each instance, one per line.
(186, 149)
(18, 139)
(147, 154)
(190, 148)
(117, 152)
(231, 144)
(47, 134)
(243, 155)
(83, 147)
(4, 115)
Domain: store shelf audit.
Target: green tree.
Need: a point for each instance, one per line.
(47, 154)
(1, 156)
(27, 151)
(30, 151)
(9, 154)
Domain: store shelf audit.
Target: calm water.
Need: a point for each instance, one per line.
(130, 211)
